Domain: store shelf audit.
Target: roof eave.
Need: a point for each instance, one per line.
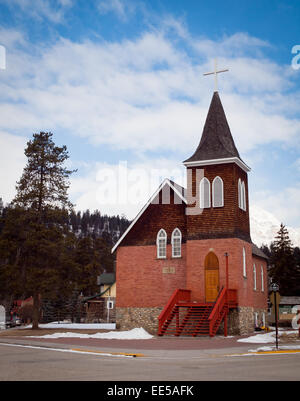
(199, 163)
(165, 182)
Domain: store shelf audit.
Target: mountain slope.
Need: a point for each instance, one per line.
(264, 227)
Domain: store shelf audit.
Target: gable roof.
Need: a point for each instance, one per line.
(216, 141)
(258, 252)
(107, 278)
(178, 190)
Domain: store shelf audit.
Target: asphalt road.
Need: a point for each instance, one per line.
(53, 362)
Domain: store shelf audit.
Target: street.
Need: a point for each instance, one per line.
(57, 363)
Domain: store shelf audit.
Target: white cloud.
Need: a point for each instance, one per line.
(12, 162)
(40, 9)
(122, 188)
(283, 203)
(236, 45)
(120, 7)
(145, 94)
(123, 93)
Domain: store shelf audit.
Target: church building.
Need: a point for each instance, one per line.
(186, 265)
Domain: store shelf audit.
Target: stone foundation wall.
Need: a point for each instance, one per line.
(240, 320)
(129, 318)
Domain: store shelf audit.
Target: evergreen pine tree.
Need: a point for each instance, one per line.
(283, 268)
(40, 209)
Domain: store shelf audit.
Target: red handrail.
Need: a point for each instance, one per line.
(217, 310)
(179, 295)
(232, 297)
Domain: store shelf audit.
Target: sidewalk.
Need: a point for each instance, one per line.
(155, 346)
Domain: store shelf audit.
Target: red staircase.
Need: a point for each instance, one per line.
(183, 317)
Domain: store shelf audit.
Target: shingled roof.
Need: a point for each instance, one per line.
(216, 141)
(258, 252)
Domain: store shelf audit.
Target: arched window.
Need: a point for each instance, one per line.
(218, 192)
(262, 278)
(204, 193)
(161, 242)
(244, 263)
(254, 277)
(176, 243)
(242, 194)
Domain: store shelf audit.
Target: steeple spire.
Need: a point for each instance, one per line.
(216, 142)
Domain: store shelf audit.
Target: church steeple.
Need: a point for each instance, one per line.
(216, 143)
(217, 182)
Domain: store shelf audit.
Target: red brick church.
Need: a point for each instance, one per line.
(186, 265)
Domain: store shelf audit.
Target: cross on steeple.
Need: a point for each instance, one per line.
(215, 72)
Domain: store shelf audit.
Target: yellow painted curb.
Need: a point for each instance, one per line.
(281, 351)
(287, 351)
(107, 352)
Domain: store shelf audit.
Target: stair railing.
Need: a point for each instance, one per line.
(179, 295)
(217, 310)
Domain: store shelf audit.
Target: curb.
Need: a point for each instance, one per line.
(275, 352)
(134, 355)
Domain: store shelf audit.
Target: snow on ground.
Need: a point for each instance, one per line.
(282, 347)
(78, 326)
(134, 334)
(266, 337)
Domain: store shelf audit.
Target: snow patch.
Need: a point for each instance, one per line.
(134, 334)
(78, 326)
(265, 338)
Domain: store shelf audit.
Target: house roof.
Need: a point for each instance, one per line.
(179, 191)
(289, 300)
(85, 299)
(107, 278)
(258, 252)
(216, 141)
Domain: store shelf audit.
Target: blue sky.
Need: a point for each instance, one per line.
(120, 80)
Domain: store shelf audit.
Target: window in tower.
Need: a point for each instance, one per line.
(204, 193)
(218, 192)
(241, 195)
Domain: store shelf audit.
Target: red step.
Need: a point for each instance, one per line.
(183, 317)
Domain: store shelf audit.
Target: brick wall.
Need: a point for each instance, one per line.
(195, 272)
(145, 281)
